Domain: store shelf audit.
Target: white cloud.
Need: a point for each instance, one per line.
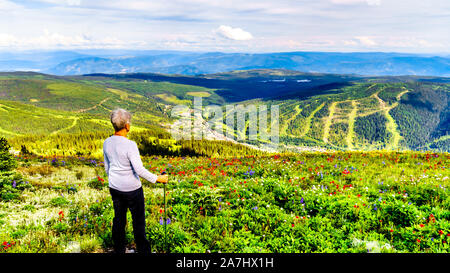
(366, 41)
(350, 43)
(411, 42)
(73, 2)
(7, 40)
(8, 5)
(62, 2)
(373, 2)
(234, 33)
(360, 41)
(55, 40)
(353, 2)
(267, 25)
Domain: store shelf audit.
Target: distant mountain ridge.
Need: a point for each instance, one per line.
(194, 63)
(374, 64)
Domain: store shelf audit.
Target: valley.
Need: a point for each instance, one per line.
(332, 112)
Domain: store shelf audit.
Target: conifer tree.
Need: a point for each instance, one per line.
(7, 161)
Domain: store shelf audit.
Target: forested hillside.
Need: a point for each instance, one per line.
(344, 112)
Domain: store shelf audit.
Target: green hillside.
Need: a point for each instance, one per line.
(364, 116)
(333, 112)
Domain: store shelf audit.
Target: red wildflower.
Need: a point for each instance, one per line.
(431, 218)
(421, 225)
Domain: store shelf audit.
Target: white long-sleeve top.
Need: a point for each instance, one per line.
(123, 164)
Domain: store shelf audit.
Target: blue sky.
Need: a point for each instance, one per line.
(413, 26)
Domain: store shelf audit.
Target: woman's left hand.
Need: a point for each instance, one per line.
(163, 178)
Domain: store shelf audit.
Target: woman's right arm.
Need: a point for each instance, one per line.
(138, 167)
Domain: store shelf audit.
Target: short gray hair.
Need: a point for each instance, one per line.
(119, 118)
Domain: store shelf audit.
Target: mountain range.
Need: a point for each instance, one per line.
(194, 63)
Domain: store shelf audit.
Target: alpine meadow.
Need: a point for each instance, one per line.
(362, 165)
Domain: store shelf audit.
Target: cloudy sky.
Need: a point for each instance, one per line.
(416, 26)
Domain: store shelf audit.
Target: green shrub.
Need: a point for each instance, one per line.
(11, 185)
(59, 201)
(399, 213)
(7, 161)
(97, 183)
(79, 175)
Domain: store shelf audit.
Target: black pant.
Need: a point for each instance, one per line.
(133, 200)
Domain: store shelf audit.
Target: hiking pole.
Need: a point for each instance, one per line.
(165, 215)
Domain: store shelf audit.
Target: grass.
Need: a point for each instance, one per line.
(308, 120)
(292, 118)
(328, 121)
(36, 104)
(391, 125)
(123, 94)
(351, 125)
(19, 119)
(173, 99)
(297, 197)
(199, 94)
(149, 88)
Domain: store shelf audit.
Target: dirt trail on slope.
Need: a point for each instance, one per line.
(74, 123)
(351, 125)
(326, 129)
(308, 120)
(293, 117)
(93, 107)
(391, 125)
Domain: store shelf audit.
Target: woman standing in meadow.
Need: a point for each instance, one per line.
(123, 166)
